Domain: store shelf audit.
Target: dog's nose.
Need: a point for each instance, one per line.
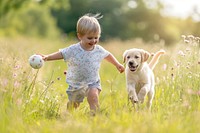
(130, 63)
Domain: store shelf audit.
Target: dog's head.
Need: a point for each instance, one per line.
(134, 58)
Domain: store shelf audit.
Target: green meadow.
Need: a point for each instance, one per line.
(34, 101)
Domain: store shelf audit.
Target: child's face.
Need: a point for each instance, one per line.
(89, 40)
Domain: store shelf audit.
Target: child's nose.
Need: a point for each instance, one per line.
(93, 40)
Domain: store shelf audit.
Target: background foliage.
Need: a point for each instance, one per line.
(50, 18)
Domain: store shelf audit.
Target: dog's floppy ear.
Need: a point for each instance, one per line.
(145, 55)
(124, 56)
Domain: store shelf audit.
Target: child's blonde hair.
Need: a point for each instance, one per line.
(89, 24)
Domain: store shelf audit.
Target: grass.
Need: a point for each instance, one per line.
(35, 100)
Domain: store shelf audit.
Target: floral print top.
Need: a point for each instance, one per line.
(83, 66)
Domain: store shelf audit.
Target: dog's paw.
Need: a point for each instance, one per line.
(133, 100)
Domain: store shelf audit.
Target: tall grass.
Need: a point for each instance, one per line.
(35, 100)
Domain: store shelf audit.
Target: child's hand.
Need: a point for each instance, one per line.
(120, 68)
(44, 57)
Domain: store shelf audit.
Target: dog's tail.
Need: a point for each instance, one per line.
(155, 58)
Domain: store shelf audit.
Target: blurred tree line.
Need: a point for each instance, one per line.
(123, 19)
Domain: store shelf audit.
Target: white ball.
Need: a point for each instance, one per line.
(36, 61)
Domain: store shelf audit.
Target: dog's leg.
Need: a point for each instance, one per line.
(143, 92)
(133, 96)
(132, 93)
(135, 105)
(150, 99)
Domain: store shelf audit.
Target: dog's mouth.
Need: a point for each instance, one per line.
(132, 67)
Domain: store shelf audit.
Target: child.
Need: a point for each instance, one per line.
(84, 59)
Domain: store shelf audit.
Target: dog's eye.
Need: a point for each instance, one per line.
(128, 57)
(136, 57)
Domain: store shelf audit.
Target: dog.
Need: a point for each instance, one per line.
(139, 75)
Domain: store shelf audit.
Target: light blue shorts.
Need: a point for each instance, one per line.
(77, 94)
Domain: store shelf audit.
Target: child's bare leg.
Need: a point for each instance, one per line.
(93, 99)
(72, 105)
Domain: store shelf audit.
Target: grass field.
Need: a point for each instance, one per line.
(34, 101)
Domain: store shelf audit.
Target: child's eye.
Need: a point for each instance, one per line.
(90, 38)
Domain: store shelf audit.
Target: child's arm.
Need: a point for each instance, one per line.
(110, 58)
(53, 56)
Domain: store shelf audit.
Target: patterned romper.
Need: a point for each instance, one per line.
(83, 70)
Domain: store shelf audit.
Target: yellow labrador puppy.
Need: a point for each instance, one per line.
(139, 75)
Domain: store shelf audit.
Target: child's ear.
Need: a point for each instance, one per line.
(79, 36)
